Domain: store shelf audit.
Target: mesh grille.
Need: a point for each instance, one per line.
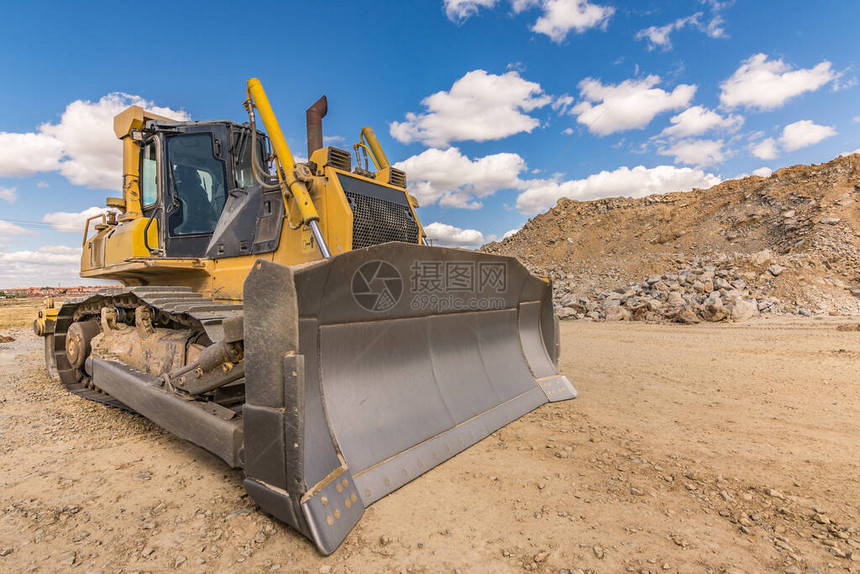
(378, 221)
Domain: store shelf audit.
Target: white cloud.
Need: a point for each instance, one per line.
(450, 236)
(461, 10)
(47, 255)
(43, 185)
(82, 145)
(678, 140)
(763, 172)
(452, 179)
(697, 120)
(511, 233)
(328, 140)
(624, 181)
(700, 153)
(659, 36)
(49, 265)
(629, 105)
(479, 107)
(8, 194)
(567, 131)
(28, 153)
(800, 134)
(7, 228)
(765, 149)
(804, 134)
(714, 28)
(845, 153)
(562, 16)
(521, 5)
(562, 103)
(767, 84)
(71, 222)
(558, 18)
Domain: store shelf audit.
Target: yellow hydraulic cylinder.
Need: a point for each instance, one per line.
(296, 187)
(381, 160)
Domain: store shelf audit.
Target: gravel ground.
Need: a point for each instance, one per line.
(706, 448)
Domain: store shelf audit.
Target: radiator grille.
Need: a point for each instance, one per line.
(397, 177)
(378, 221)
(339, 159)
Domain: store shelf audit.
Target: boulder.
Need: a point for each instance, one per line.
(565, 313)
(742, 309)
(714, 313)
(686, 316)
(675, 300)
(617, 314)
(732, 295)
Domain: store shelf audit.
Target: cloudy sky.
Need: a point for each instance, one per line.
(495, 108)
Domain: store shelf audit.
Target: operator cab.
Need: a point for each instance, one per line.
(196, 181)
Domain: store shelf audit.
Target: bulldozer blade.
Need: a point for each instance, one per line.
(368, 369)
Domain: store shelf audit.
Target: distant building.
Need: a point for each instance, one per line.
(63, 292)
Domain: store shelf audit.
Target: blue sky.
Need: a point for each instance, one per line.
(496, 108)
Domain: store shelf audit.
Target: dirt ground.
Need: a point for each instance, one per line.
(707, 448)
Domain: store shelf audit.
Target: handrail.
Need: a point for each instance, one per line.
(152, 251)
(103, 216)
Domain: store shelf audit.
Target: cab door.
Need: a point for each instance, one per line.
(195, 189)
(150, 199)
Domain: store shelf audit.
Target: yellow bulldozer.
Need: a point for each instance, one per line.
(291, 319)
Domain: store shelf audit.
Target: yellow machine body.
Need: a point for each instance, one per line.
(116, 248)
(290, 318)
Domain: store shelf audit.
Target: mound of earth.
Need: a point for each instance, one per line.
(785, 244)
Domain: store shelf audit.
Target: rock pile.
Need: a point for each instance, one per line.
(788, 243)
(695, 293)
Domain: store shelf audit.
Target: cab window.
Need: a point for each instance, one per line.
(148, 172)
(244, 175)
(198, 179)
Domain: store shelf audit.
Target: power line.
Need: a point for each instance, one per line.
(41, 225)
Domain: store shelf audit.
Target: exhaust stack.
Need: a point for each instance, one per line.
(314, 115)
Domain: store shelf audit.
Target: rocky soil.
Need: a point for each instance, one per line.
(726, 448)
(786, 244)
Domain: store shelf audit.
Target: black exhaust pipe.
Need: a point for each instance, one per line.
(314, 115)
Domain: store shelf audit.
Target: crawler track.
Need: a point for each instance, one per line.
(177, 306)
